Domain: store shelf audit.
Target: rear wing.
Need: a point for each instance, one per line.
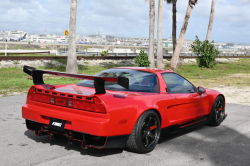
(99, 82)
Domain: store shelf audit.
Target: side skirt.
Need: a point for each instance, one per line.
(187, 125)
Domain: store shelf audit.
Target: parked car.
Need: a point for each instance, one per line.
(119, 107)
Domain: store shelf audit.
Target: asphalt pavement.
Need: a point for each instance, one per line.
(226, 145)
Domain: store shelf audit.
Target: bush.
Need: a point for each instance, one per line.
(104, 53)
(206, 53)
(142, 60)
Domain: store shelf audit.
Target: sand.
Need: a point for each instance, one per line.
(234, 94)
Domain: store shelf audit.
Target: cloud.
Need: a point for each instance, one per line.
(231, 21)
(126, 18)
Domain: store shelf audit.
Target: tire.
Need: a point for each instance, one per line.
(145, 134)
(218, 112)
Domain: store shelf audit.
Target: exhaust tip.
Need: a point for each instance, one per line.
(69, 134)
(44, 128)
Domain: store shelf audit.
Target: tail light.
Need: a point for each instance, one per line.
(99, 107)
(52, 100)
(31, 93)
(70, 103)
(95, 105)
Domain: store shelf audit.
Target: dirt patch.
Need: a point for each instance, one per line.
(239, 75)
(8, 92)
(217, 60)
(239, 95)
(233, 80)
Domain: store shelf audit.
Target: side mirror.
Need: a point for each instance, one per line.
(201, 90)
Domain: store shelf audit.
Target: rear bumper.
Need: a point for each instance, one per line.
(86, 140)
(76, 120)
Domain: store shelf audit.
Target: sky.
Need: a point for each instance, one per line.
(127, 18)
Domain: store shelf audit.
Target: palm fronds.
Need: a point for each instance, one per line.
(192, 3)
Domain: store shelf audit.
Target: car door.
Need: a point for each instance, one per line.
(187, 103)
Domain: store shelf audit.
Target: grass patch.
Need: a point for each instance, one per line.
(245, 60)
(221, 74)
(229, 74)
(63, 61)
(15, 80)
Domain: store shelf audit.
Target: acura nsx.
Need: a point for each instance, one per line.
(119, 107)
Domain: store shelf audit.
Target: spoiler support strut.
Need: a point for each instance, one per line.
(99, 82)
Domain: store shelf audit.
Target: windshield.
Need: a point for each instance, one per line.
(139, 81)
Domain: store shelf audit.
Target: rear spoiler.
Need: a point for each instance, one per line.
(99, 82)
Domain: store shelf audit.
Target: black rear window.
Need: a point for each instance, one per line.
(139, 81)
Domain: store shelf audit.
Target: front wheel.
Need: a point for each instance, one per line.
(146, 133)
(218, 112)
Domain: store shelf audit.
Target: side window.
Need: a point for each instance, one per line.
(177, 84)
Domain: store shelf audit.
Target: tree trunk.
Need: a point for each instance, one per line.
(174, 25)
(174, 29)
(174, 60)
(210, 25)
(151, 56)
(160, 63)
(72, 60)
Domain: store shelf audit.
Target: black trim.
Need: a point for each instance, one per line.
(33, 126)
(181, 104)
(225, 116)
(99, 85)
(124, 82)
(116, 142)
(193, 121)
(28, 70)
(185, 126)
(37, 77)
(99, 82)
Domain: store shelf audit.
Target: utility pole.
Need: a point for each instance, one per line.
(5, 47)
(65, 45)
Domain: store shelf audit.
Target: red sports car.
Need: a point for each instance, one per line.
(119, 107)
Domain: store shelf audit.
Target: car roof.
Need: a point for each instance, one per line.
(147, 69)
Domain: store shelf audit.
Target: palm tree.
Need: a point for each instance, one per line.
(72, 60)
(173, 2)
(151, 56)
(174, 60)
(160, 63)
(210, 25)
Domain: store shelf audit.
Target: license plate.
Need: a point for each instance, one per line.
(56, 124)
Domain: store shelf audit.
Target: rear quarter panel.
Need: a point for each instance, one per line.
(130, 107)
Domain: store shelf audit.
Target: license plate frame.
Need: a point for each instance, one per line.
(57, 124)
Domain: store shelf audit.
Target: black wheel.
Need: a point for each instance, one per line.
(218, 112)
(146, 133)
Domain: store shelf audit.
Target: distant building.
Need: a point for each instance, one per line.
(230, 45)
